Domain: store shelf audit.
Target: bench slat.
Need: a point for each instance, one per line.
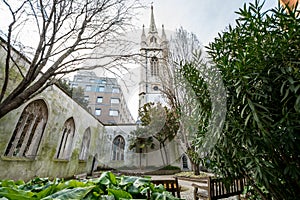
(216, 188)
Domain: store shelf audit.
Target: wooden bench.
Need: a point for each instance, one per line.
(171, 185)
(215, 188)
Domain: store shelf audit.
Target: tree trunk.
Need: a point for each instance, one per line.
(162, 155)
(140, 158)
(196, 168)
(166, 154)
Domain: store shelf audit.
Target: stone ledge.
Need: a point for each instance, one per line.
(14, 158)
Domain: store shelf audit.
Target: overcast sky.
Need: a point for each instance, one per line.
(205, 18)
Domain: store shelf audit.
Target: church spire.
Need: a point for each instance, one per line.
(152, 22)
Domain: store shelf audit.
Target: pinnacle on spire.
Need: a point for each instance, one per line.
(143, 36)
(163, 34)
(152, 22)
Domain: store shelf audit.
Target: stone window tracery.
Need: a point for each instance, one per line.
(118, 148)
(154, 66)
(85, 144)
(65, 146)
(29, 131)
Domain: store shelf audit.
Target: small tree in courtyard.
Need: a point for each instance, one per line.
(161, 123)
(141, 142)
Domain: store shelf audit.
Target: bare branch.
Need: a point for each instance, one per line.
(67, 34)
(8, 47)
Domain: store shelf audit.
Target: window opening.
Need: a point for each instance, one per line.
(85, 144)
(29, 131)
(66, 142)
(98, 111)
(114, 113)
(154, 66)
(99, 99)
(118, 148)
(114, 100)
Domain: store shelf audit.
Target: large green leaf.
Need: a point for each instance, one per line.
(71, 184)
(15, 194)
(163, 196)
(119, 194)
(50, 189)
(125, 180)
(141, 182)
(75, 193)
(107, 178)
(8, 183)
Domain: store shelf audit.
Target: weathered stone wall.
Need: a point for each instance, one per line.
(60, 108)
(147, 161)
(111, 132)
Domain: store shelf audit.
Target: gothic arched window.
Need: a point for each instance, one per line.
(153, 39)
(154, 66)
(85, 144)
(66, 142)
(118, 148)
(184, 162)
(29, 131)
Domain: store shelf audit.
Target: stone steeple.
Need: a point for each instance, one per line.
(154, 48)
(152, 28)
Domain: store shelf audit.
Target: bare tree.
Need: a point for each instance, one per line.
(66, 34)
(183, 47)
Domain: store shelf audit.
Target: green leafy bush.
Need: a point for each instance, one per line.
(259, 60)
(107, 186)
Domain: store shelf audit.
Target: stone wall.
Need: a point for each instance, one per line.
(60, 108)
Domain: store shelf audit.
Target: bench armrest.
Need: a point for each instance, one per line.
(200, 186)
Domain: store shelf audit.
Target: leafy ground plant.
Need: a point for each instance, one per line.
(107, 186)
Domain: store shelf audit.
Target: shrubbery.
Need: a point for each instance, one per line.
(260, 64)
(107, 186)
